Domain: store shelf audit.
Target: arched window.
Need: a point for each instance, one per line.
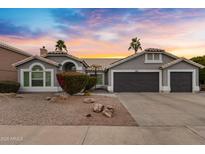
(37, 76)
(37, 68)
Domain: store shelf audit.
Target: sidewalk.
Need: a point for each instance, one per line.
(101, 135)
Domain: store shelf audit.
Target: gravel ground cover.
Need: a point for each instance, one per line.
(33, 109)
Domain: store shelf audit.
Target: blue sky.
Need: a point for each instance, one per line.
(105, 32)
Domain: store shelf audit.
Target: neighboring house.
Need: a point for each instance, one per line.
(8, 56)
(152, 70)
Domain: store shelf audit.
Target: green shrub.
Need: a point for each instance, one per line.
(200, 60)
(92, 81)
(9, 86)
(87, 93)
(72, 82)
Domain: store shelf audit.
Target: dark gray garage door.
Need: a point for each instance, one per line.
(181, 82)
(136, 82)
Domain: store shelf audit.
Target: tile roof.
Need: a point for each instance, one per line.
(154, 50)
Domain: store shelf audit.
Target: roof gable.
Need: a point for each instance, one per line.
(63, 54)
(35, 57)
(150, 50)
(181, 60)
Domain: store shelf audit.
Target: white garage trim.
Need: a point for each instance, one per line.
(111, 88)
(195, 88)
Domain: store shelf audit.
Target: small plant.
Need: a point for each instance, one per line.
(9, 86)
(92, 81)
(72, 82)
(87, 93)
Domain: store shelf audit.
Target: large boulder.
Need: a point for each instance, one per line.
(98, 108)
(108, 111)
(89, 100)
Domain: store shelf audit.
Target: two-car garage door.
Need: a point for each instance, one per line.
(149, 81)
(136, 81)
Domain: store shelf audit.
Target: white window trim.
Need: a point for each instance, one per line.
(103, 78)
(78, 68)
(111, 88)
(153, 61)
(195, 88)
(37, 89)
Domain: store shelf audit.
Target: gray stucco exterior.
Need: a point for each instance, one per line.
(138, 64)
(80, 67)
(46, 65)
(183, 66)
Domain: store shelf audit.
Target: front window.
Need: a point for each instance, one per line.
(156, 56)
(48, 79)
(26, 79)
(37, 77)
(99, 79)
(149, 56)
(153, 58)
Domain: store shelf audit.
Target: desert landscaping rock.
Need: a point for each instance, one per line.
(53, 99)
(89, 100)
(63, 97)
(108, 113)
(98, 108)
(109, 107)
(48, 98)
(88, 115)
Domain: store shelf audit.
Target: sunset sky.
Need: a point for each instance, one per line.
(97, 33)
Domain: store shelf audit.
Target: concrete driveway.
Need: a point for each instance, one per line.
(174, 109)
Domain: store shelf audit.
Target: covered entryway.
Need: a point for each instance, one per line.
(69, 66)
(181, 81)
(136, 81)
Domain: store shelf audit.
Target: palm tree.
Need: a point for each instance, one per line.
(135, 45)
(60, 46)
